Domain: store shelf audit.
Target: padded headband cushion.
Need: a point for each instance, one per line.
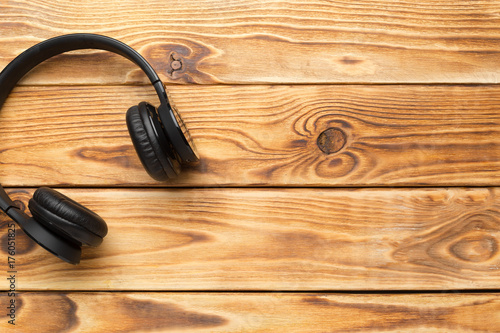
(40, 52)
(67, 217)
(146, 145)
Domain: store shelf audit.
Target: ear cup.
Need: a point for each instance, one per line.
(157, 159)
(67, 217)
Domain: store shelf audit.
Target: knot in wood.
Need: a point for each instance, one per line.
(332, 140)
(477, 248)
(176, 65)
(24, 244)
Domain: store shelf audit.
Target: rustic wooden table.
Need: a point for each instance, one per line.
(350, 158)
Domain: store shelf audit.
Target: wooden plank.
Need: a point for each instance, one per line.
(238, 312)
(276, 239)
(266, 41)
(261, 135)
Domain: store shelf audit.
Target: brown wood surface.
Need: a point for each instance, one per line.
(260, 135)
(274, 312)
(382, 93)
(277, 239)
(266, 41)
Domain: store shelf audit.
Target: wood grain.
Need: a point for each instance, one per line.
(276, 239)
(65, 127)
(260, 135)
(265, 41)
(241, 312)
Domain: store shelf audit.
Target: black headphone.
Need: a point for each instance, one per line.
(59, 224)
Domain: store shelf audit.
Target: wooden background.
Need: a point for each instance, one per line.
(395, 228)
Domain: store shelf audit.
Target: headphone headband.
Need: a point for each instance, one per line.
(40, 52)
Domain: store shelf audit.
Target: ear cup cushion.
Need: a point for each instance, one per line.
(67, 217)
(146, 145)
